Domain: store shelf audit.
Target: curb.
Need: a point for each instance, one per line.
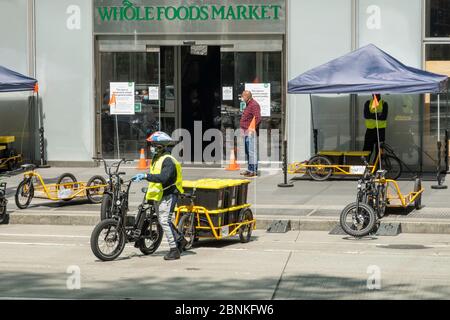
(263, 222)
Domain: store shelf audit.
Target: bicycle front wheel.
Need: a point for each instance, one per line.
(358, 223)
(107, 240)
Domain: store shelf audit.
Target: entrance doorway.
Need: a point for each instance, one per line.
(200, 93)
(190, 87)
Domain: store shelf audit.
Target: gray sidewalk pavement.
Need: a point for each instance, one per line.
(309, 205)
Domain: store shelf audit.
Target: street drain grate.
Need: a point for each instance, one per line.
(404, 247)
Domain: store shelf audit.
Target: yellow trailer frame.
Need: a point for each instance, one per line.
(4, 141)
(217, 231)
(338, 169)
(403, 201)
(51, 191)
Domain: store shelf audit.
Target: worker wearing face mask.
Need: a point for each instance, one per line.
(165, 185)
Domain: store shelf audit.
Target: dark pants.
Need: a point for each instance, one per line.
(371, 141)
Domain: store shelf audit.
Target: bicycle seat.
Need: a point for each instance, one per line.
(28, 167)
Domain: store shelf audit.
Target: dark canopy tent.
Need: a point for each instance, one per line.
(11, 81)
(368, 70)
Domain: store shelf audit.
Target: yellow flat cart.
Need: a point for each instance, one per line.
(234, 218)
(339, 163)
(327, 163)
(66, 188)
(9, 159)
(396, 199)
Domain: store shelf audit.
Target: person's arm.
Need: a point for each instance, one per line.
(367, 114)
(383, 116)
(168, 171)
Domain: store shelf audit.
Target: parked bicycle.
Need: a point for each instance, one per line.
(114, 194)
(110, 236)
(361, 218)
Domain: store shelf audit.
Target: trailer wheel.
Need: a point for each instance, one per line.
(318, 172)
(95, 195)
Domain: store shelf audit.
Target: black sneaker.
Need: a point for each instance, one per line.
(173, 254)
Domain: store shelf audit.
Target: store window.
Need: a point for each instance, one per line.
(124, 135)
(437, 19)
(437, 60)
(241, 68)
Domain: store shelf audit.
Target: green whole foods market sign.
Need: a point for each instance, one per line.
(174, 17)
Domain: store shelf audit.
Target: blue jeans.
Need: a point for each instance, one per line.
(251, 152)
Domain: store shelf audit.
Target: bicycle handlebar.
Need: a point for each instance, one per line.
(115, 165)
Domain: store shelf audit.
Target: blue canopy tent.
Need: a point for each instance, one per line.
(11, 81)
(368, 70)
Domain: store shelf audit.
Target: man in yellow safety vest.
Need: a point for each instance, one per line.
(375, 112)
(165, 184)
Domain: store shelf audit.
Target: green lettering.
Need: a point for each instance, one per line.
(216, 12)
(254, 13)
(125, 13)
(138, 14)
(204, 13)
(242, 12)
(160, 11)
(194, 13)
(264, 11)
(174, 13)
(276, 13)
(186, 13)
(106, 13)
(149, 13)
(231, 13)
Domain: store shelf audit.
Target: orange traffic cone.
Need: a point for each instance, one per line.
(234, 166)
(142, 161)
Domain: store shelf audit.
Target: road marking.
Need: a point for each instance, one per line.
(42, 235)
(41, 244)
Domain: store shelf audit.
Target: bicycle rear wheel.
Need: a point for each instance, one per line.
(152, 233)
(186, 227)
(392, 165)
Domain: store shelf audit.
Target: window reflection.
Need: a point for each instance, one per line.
(239, 68)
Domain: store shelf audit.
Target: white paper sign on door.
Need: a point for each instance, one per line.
(122, 98)
(261, 93)
(227, 93)
(153, 93)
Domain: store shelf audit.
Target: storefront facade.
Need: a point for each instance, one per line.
(189, 61)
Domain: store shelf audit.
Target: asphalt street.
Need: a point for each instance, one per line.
(56, 262)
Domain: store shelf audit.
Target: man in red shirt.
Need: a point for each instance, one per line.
(250, 121)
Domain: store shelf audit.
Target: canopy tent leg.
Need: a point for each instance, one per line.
(439, 176)
(285, 183)
(43, 161)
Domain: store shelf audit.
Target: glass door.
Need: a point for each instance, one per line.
(152, 72)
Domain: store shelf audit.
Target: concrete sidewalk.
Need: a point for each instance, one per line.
(309, 205)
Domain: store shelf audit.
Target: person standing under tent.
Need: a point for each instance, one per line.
(375, 110)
